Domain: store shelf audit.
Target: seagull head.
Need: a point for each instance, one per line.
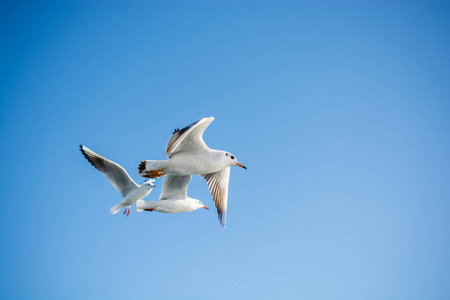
(232, 161)
(149, 183)
(198, 204)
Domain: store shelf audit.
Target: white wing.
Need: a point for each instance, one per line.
(218, 185)
(115, 174)
(189, 139)
(175, 187)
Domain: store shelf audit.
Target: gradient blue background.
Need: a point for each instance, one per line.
(340, 111)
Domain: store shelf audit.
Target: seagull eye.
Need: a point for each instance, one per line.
(226, 154)
(232, 157)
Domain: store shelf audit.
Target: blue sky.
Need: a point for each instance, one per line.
(340, 111)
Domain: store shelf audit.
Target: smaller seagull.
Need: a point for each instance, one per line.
(173, 198)
(119, 178)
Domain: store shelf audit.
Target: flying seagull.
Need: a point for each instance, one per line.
(173, 198)
(119, 178)
(188, 155)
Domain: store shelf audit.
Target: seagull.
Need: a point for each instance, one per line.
(173, 198)
(189, 155)
(119, 178)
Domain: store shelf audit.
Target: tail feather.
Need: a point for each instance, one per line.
(115, 208)
(151, 168)
(141, 205)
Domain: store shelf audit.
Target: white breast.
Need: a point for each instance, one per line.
(174, 206)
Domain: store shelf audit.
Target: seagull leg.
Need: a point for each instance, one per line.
(149, 209)
(129, 210)
(125, 211)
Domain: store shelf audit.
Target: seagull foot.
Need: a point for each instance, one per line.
(149, 209)
(127, 211)
(155, 173)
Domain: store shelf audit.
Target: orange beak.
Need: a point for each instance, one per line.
(205, 207)
(240, 165)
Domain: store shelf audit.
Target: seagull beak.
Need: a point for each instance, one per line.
(205, 207)
(242, 166)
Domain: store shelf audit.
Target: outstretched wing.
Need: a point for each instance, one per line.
(175, 187)
(189, 139)
(218, 185)
(115, 174)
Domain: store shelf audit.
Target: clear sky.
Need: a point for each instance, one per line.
(340, 111)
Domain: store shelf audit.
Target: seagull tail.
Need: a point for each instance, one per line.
(116, 208)
(141, 205)
(152, 168)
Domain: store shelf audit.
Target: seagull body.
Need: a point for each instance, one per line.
(189, 164)
(173, 198)
(119, 178)
(189, 155)
(169, 206)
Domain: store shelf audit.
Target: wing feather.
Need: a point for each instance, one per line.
(218, 186)
(115, 174)
(175, 187)
(189, 139)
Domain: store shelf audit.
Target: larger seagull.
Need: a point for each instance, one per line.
(189, 155)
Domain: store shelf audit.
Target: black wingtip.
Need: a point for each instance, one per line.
(141, 170)
(85, 154)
